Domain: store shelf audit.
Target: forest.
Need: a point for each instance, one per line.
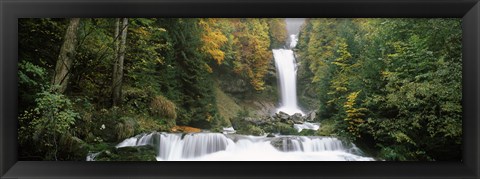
(391, 86)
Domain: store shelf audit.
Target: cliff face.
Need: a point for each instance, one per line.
(234, 94)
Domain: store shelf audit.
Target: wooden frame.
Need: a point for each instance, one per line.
(11, 10)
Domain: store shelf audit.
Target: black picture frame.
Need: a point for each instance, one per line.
(11, 10)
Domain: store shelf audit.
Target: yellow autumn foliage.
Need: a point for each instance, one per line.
(213, 39)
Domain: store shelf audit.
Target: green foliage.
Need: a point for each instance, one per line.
(409, 76)
(248, 52)
(196, 98)
(145, 43)
(327, 128)
(163, 58)
(355, 116)
(238, 122)
(227, 107)
(394, 84)
(278, 32)
(31, 80)
(307, 132)
(281, 128)
(56, 111)
(52, 118)
(251, 130)
(30, 74)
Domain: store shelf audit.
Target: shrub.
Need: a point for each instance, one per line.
(55, 117)
(251, 130)
(282, 128)
(307, 132)
(162, 107)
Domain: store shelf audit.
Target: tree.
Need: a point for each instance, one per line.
(254, 55)
(213, 39)
(118, 65)
(409, 75)
(278, 32)
(66, 56)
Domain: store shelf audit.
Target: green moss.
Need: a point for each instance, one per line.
(227, 108)
(307, 132)
(327, 128)
(281, 128)
(250, 129)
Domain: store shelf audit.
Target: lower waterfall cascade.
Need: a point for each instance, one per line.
(206, 146)
(228, 146)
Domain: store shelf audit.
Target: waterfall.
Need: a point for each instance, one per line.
(227, 146)
(287, 75)
(306, 144)
(233, 147)
(143, 139)
(306, 125)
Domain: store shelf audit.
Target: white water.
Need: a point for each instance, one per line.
(136, 141)
(221, 147)
(287, 75)
(306, 125)
(293, 41)
(228, 130)
(232, 147)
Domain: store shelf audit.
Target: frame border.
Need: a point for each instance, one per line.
(11, 10)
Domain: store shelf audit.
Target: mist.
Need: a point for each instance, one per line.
(294, 25)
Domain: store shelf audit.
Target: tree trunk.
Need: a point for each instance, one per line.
(66, 56)
(118, 66)
(116, 38)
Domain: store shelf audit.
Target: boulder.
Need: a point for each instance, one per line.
(277, 143)
(255, 121)
(310, 117)
(263, 108)
(297, 118)
(284, 144)
(268, 120)
(290, 122)
(282, 116)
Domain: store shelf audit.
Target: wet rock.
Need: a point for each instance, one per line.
(263, 108)
(297, 118)
(282, 116)
(277, 143)
(311, 116)
(290, 122)
(284, 144)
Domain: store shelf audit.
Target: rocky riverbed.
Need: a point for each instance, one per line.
(279, 123)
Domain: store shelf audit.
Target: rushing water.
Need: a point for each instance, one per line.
(287, 76)
(232, 147)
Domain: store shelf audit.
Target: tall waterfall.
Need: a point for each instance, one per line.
(205, 146)
(287, 75)
(232, 147)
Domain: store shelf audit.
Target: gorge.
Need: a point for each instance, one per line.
(148, 89)
(228, 146)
